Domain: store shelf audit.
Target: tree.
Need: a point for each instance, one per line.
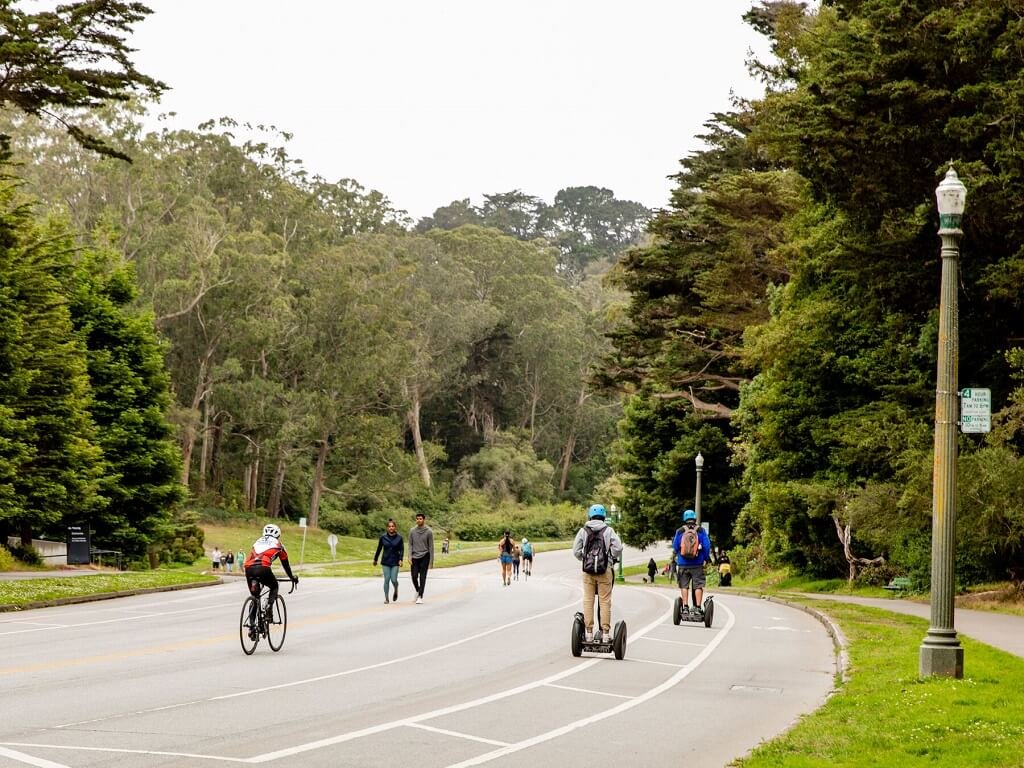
(50, 463)
(72, 57)
(130, 400)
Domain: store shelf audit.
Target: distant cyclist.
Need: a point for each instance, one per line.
(527, 556)
(258, 564)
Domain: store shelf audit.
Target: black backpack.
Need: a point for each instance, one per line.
(595, 553)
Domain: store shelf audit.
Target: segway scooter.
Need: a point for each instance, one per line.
(695, 615)
(579, 633)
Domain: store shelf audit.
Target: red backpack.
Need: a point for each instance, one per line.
(689, 543)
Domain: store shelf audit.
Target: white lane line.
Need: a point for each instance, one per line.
(32, 624)
(624, 706)
(397, 660)
(21, 757)
(456, 734)
(431, 715)
(674, 642)
(154, 752)
(659, 663)
(129, 714)
(587, 691)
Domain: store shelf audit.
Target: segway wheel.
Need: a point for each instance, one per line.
(709, 612)
(577, 635)
(677, 610)
(619, 642)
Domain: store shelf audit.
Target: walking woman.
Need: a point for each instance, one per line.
(393, 548)
(505, 556)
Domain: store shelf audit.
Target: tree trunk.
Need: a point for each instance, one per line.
(204, 447)
(254, 487)
(570, 443)
(188, 437)
(845, 535)
(274, 503)
(318, 482)
(412, 418)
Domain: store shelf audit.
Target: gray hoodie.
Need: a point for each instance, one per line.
(611, 540)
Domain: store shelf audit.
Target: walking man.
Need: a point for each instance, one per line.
(421, 554)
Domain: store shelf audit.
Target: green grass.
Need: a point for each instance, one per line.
(885, 715)
(354, 556)
(22, 592)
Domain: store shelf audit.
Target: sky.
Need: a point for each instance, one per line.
(430, 101)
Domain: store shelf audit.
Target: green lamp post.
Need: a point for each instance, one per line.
(941, 652)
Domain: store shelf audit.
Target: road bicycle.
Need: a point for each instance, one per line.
(257, 621)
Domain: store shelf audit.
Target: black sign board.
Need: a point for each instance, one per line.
(78, 545)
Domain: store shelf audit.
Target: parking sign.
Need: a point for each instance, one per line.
(975, 410)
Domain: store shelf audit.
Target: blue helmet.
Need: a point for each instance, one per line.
(689, 515)
(596, 510)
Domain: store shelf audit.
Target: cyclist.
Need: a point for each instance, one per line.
(505, 548)
(527, 556)
(690, 566)
(597, 545)
(265, 550)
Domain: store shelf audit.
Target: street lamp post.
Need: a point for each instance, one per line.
(941, 652)
(616, 517)
(699, 461)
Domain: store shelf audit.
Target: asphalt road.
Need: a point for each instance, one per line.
(478, 674)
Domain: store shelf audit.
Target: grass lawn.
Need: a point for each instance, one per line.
(885, 715)
(354, 557)
(22, 592)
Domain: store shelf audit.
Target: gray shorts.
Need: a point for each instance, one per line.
(690, 573)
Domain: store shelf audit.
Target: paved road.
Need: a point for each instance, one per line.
(996, 629)
(478, 674)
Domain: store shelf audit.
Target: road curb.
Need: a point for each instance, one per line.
(104, 596)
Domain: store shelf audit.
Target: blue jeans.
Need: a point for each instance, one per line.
(390, 576)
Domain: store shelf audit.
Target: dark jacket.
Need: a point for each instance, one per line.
(393, 548)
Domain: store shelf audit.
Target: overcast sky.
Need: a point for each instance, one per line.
(429, 101)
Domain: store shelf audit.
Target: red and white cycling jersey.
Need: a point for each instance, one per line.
(264, 551)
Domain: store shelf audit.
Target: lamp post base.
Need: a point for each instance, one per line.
(941, 660)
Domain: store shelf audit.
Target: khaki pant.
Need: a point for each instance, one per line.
(602, 587)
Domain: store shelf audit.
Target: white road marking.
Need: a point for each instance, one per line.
(397, 660)
(456, 734)
(120, 751)
(587, 691)
(674, 642)
(21, 757)
(130, 714)
(626, 705)
(782, 629)
(660, 663)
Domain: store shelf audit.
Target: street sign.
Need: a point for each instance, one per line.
(79, 549)
(302, 522)
(332, 542)
(975, 410)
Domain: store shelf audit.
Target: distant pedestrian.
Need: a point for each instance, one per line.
(229, 561)
(652, 569)
(444, 546)
(421, 554)
(505, 557)
(215, 558)
(527, 550)
(393, 548)
(516, 555)
(240, 559)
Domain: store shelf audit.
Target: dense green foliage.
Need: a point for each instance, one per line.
(794, 281)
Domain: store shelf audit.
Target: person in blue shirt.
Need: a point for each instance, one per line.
(692, 548)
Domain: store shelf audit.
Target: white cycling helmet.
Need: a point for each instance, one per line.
(525, 540)
(272, 530)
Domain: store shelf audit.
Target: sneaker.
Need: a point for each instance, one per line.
(419, 600)
(395, 596)
(588, 636)
(386, 601)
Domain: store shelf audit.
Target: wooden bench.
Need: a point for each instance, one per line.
(898, 584)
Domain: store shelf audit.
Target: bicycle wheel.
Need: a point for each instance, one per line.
(248, 630)
(278, 624)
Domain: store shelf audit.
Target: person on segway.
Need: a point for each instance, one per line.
(692, 549)
(599, 548)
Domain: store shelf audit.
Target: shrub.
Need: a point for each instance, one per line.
(6, 559)
(26, 553)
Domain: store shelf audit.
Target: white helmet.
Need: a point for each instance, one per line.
(525, 540)
(272, 530)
